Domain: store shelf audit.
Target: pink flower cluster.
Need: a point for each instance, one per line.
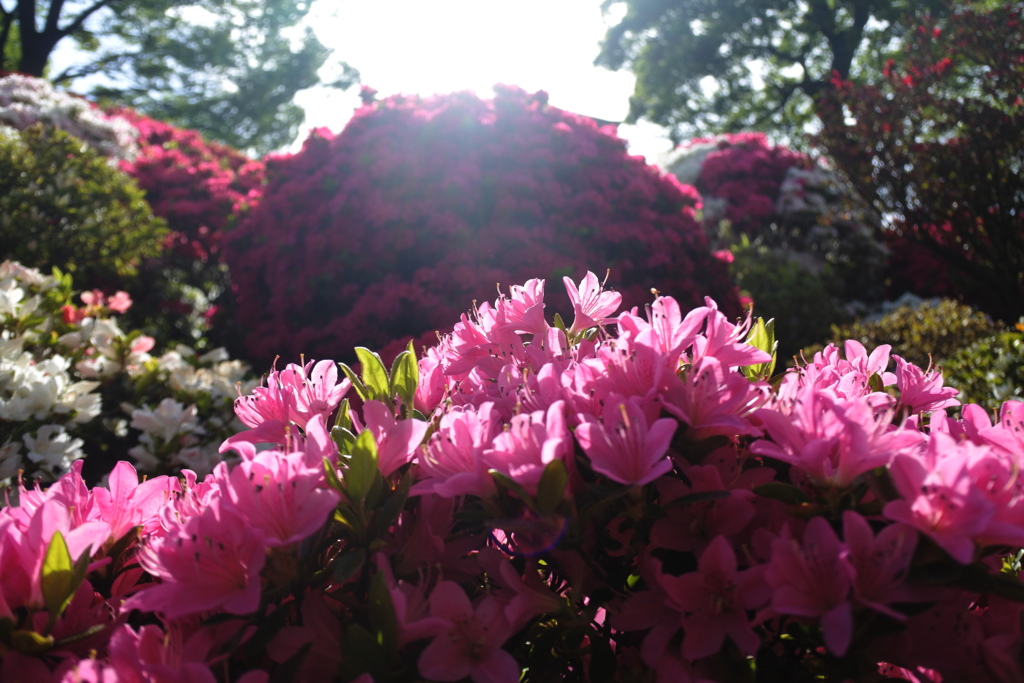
(745, 172)
(620, 498)
(193, 184)
(422, 204)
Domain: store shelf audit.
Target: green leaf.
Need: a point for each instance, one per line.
(362, 467)
(361, 653)
(762, 336)
(357, 383)
(508, 483)
(58, 576)
(343, 420)
(332, 476)
(382, 615)
(30, 642)
(344, 439)
(551, 489)
(405, 375)
(786, 493)
(374, 376)
(348, 565)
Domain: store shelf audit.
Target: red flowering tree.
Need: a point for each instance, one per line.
(939, 145)
(196, 186)
(383, 232)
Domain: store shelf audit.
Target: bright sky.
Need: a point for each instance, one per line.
(438, 46)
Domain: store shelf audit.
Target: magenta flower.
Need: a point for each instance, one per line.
(716, 599)
(531, 441)
(590, 303)
(397, 440)
(211, 562)
(922, 391)
(622, 447)
(713, 400)
(880, 563)
(812, 579)
(523, 310)
(940, 497)
(281, 496)
(453, 459)
(833, 440)
(469, 643)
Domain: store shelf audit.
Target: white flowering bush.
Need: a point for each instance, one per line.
(72, 382)
(25, 101)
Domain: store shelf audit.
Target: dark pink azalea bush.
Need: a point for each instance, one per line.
(197, 187)
(622, 499)
(383, 232)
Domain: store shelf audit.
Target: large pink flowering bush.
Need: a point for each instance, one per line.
(382, 232)
(621, 498)
(197, 187)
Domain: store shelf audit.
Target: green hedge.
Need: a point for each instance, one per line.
(63, 204)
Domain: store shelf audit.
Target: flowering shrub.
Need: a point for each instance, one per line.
(26, 101)
(800, 243)
(421, 204)
(196, 186)
(623, 496)
(72, 382)
(938, 145)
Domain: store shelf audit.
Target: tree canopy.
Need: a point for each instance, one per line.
(228, 68)
(938, 145)
(710, 66)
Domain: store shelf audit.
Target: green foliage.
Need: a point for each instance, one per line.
(942, 328)
(64, 205)
(803, 303)
(989, 371)
(673, 46)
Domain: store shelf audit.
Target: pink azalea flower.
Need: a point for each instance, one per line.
(716, 599)
(725, 341)
(530, 442)
(590, 303)
(622, 446)
(812, 579)
(397, 440)
(940, 497)
(127, 503)
(833, 440)
(469, 643)
(691, 527)
(281, 496)
(211, 562)
(119, 302)
(453, 459)
(714, 400)
(154, 655)
(922, 391)
(523, 310)
(880, 564)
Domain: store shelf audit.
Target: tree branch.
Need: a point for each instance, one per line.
(79, 22)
